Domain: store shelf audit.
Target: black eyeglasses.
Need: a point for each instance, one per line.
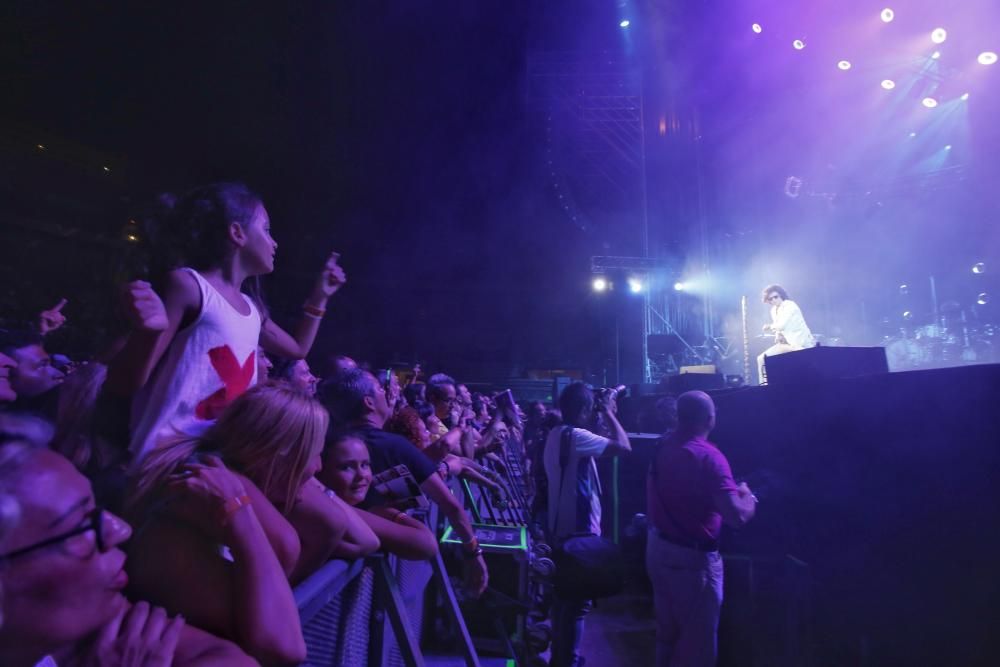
(95, 522)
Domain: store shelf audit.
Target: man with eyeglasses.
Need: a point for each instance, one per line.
(788, 326)
(62, 578)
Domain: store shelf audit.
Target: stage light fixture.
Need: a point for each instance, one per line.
(907, 315)
(756, 27)
(679, 287)
(624, 23)
(635, 285)
(888, 84)
(799, 44)
(935, 55)
(938, 35)
(948, 147)
(929, 102)
(987, 58)
(600, 284)
(904, 289)
(983, 298)
(912, 134)
(887, 15)
(844, 65)
(964, 97)
(979, 268)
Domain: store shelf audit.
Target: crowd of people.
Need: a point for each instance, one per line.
(159, 500)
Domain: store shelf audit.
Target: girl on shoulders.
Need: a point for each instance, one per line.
(191, 356)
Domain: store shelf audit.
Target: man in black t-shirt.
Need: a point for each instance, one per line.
(391, 449)
(357, 399)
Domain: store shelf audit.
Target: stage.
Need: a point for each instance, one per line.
(882, 489)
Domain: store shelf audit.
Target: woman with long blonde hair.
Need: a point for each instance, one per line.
(213, 541)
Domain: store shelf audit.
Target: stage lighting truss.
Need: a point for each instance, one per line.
(600, 264)
(592, 108)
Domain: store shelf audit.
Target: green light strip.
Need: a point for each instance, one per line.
(450, 538)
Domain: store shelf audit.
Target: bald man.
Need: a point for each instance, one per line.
(690, 492)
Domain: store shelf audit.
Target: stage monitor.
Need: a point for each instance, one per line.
(825, 363)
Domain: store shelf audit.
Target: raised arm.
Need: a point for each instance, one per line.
(154, 322)
(619, 439)
(277, 341)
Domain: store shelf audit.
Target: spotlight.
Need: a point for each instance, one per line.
(599, 284)
(983, 298)
(939, 35)
(756, 28)
(799, 44)
(887, 15)
(679, 287)
(904, 289)
(912, 134)
(635, 285)
(929, 102)
(844, 64)
(979, 268)
(907, 315)
(625, 23)
(987, 58)
(888, 84)
(948, 147)
(935, 55)
(964, 97)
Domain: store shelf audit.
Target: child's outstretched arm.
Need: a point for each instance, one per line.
(277, 341)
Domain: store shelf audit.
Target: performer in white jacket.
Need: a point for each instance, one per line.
(787, 324)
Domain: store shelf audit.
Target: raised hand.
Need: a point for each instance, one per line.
(51, 319)
(331, 279)
(143, 307)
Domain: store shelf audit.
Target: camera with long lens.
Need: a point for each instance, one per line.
(607, 395)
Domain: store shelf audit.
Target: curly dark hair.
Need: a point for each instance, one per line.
(407, 423)
(778, 289)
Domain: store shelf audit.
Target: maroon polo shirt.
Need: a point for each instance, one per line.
(683, 478)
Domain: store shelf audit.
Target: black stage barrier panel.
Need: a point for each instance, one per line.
(885, 490)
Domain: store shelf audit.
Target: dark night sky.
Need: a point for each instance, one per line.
(404, 136)
(397, 135)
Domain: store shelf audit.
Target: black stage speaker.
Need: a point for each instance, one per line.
(678, 384)
(825, 363)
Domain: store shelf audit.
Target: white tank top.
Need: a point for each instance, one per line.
(208, 364)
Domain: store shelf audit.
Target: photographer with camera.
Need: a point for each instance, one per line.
(574, 505)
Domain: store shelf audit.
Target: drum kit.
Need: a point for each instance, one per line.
(950, 341)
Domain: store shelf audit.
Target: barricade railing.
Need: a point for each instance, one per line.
(344, 608)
